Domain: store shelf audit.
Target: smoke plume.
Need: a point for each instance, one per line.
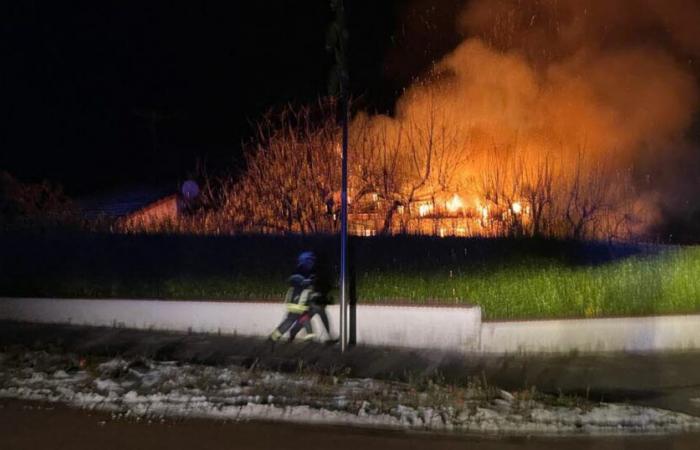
(614, 80)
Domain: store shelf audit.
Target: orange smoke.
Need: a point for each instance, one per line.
(581, 88)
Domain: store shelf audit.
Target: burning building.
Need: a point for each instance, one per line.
(551, 117)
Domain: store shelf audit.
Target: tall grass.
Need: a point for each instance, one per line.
(665, 283)
(510, 279)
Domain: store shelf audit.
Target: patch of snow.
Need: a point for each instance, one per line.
(147, 389)
(506, 396)
(113, 367)
(107, 385)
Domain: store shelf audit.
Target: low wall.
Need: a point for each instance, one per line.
(448, 328)
(592, 335)
(435, 327)
(421, 327)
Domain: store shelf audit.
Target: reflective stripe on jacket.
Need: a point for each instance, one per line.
(297, 305)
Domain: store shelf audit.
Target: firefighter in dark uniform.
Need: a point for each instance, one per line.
(297, 299)
(317, 301)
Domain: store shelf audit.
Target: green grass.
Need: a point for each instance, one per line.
(510, 279)
(667, 283)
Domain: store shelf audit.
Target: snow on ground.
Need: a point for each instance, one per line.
(152, 390)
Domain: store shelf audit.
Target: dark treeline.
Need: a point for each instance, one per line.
(119, 256)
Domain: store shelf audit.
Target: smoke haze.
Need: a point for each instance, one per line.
(614, 79)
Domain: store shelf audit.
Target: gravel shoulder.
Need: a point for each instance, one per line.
(157, 376)
(664, 380)
(150, 390)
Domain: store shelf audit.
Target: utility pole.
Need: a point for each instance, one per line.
(344, 282)
(337, 42)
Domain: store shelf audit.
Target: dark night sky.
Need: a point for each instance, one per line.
(80, 79)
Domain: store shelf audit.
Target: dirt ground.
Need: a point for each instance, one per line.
(664, 380)
(28, 425)
(670, 381)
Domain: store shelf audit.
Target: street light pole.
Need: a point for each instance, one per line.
(344, 285)
(337, 44)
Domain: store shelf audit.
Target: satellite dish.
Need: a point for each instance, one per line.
(190, 190)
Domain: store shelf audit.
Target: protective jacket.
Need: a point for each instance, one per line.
(299, 294)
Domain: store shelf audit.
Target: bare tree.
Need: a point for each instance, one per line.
(406, 161)
(401, 167)
(587, 196)
(537, 192)
(291, 174)
(376, 152)
(506, 185)
(542, 195)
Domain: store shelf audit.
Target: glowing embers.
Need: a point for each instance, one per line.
(452, 215)
(517, 208)
(425, 209)
(483, 212)
(455, 204)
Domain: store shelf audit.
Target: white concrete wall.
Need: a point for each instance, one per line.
(448, 328)
(592, 335)
(423, 327)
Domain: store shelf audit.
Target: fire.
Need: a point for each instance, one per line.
(545, 115)
(530, 107)
(483, 211)
(454, 204)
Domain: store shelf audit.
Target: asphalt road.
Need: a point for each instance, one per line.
(28, 425)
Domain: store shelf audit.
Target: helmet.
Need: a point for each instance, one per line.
(306, 260)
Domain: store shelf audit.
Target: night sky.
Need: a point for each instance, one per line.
(85, 84)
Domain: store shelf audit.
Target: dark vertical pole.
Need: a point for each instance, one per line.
(344, 291)
(352, 299)
(337, 43)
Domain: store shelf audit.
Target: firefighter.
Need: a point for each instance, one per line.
(318, 298)
(316, 305)
(298, 297)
